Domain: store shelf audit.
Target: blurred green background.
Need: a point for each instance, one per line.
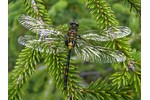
(61, 12)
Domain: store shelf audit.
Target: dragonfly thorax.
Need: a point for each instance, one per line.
(72, 34)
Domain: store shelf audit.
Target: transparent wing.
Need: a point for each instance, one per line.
(98, 54)
(37, 26)
(46, 44)
(107, 34)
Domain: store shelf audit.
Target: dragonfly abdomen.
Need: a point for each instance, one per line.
(67, 70)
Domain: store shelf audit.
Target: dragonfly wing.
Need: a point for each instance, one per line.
(41, 45)
(107, 34)
(37, 26)
(98, 54)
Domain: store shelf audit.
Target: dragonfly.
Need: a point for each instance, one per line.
(73, 40)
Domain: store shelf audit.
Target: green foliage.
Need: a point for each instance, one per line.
(25, 67)
(121, 78)
(134, 5)
(122, 83)
(36, 9)
(120, 44)
(129, 77)
(13, 28)
(102, 13)
(103, 90)
(56, 63)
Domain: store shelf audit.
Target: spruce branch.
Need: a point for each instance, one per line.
(104, 90)
(134, 5)
(55, 68)
(25, 67)
(136, 73)
(121, 45)
(105, 17)
(121, 78)
(114, 88)
(56, 64)
(36, 9)
(130, 75)
(102, 13)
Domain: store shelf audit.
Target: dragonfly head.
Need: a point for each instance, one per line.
(74, 24)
